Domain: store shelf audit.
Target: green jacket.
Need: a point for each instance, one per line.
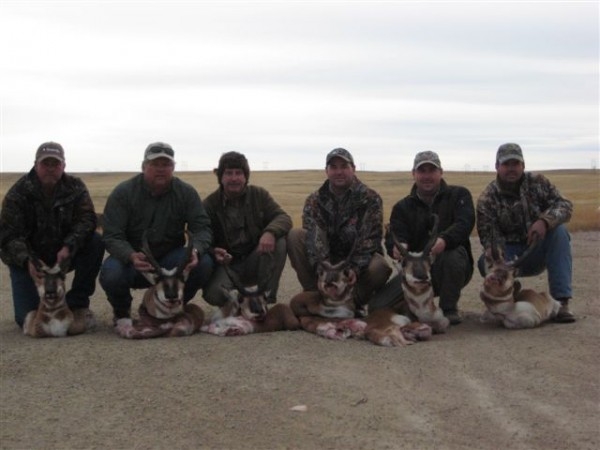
(27, 220)
(131, 210)
(261, 211)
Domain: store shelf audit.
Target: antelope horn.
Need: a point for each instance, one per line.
(517, 262)
(235, 279)
(433, 235)
(494, 244)
(148, 253)
(262, 288)
(189, 248)
(399, 245)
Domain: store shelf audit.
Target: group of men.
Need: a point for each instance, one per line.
(50, 215)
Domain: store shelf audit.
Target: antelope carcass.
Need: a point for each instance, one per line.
(503, 297)
(53, 317)
(246, 311)
(163, 311)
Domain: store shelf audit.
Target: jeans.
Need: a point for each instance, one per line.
(85, 265)
(256, 269)
(552, 254)
(117, 279)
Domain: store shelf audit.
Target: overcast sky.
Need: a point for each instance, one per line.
(285, 82)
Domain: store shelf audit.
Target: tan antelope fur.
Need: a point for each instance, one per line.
(246, 312)
(504, 299)
(162, 311)
(415, 270)
(53, 317)
(330, 311)
(332, 314)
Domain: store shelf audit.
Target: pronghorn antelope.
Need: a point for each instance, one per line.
(415, 270)
(504, 299)
(332, 313)
(246, 311)
(53, 316)
(163, 311)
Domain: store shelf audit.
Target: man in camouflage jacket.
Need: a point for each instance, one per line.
(49, 215)
(342, 220)
(516, 207)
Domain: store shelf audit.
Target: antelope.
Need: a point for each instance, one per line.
(330, 312)
(246, 311)
(503, 297)
(415, 270)
(163, 311)
(53, 317)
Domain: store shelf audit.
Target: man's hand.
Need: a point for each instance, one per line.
(438, 247)
(222, 256)
(193, 262)
(266, 244)
(140, 262)
(539, 227)
(63, 254)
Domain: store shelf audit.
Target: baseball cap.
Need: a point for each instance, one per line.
(427, 157)
(50, 150)
(159, 150)
(339, 153)
(509, 151)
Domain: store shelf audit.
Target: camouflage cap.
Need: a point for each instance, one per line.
(427, 157)
(339, 153)
(159, 150)
(509, 151)
(50, 150)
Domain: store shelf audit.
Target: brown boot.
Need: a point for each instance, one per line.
(564, 315)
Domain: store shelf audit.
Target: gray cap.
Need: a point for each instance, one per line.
(509, 151)
(427, 157)
(50, 150)
(159, 150)
(339, 153)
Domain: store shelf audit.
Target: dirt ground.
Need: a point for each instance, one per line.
(476, 387)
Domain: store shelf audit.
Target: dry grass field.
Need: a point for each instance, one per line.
(290, 188)
(476, 387)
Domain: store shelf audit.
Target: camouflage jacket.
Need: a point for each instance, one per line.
(334, 224)
(411, 223)
(260, 213)
(28, 220)
(510, 213)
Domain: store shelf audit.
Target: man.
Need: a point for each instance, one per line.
(50, 215)
(342, 212)
(163, 206)
(249, 231)
(411, 222)
(521, 208)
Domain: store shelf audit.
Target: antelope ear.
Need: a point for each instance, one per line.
(152, 277)
(516, 287)
(351, 276)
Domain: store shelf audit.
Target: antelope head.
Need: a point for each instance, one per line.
(336, 281)
(51, 286)
(500, 274)
(415, 267)
(248, 301)
(167, 284)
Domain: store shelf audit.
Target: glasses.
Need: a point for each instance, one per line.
(155, 150)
